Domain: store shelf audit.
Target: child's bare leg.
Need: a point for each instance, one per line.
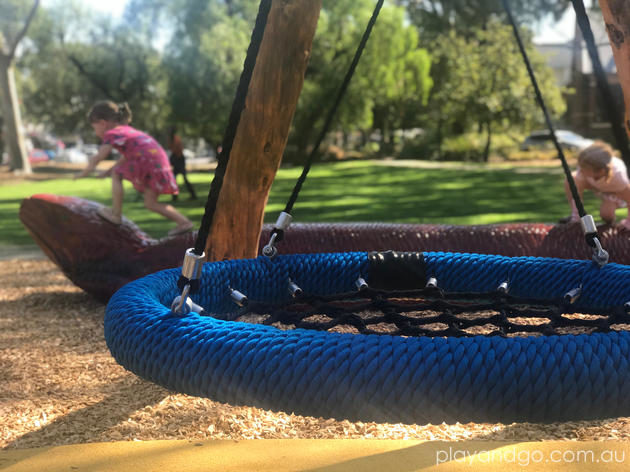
(168, 211)
(607, 210)
(117, 194)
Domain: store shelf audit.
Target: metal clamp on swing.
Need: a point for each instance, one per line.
(600, 255)
(191, 272)
(283, 223)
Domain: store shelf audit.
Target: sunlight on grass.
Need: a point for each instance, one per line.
(345, 192)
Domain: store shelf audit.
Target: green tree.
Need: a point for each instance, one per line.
(209, 38)
(204, 61)
(389, 85)
(401, 75)
(206, 42)
(83, 57)
(435, 17)
(487, 86)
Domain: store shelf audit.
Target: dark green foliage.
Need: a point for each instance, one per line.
(178, 62)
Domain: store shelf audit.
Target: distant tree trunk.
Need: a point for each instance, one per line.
(12, 119)
(10, 102)
(440, 137)
(486, 151)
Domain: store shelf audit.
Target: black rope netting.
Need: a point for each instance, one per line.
(431, 312)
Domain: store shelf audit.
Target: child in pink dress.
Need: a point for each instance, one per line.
(144, 163)
(600, 171)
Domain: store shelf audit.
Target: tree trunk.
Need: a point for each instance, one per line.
(440, 137)
(263, 129)
(486, 151)
(616, 15)
(18, 158)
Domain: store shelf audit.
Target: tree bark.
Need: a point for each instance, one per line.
(10, 102)
(486, 150)
(12, 118)
(616, 15)
(263, 129)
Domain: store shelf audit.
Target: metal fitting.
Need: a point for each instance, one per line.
(284, 220)
(282, 223)
(192, 265)
(191, 270)
(431, 283)
(270, 249)
(572, 295)
(361, 284)
(238, 298)
(503, 287)
(181, 305)
(600, 255)
(184, 305)
(294, 289)
(588, 224)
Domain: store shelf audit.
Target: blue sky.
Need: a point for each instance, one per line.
(556, 32)
(113, 7)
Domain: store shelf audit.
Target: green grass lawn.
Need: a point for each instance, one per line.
(345, 192)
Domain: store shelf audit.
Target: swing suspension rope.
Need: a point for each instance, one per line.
(194, 258)
(284, 219)
(600, 256)
(188, 282)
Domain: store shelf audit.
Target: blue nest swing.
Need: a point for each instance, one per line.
(412, 354)
(379, 377)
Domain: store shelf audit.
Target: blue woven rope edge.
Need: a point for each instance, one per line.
(377, 378)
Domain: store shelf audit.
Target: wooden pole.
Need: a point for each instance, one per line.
(263, 129)
(616, 15)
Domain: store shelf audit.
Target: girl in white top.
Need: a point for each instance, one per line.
(606, 175)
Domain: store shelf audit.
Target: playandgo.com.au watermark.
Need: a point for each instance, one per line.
(525, 457)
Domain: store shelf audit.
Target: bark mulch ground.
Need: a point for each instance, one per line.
(59, 385)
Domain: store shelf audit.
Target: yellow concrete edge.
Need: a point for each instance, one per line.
(329, 455)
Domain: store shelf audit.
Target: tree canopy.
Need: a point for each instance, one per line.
(439, 64)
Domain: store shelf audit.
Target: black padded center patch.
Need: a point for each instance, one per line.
(391, 270)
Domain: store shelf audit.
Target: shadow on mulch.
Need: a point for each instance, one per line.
(96, 419)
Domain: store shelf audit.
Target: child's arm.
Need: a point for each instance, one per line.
(102, 153)
(108, 172)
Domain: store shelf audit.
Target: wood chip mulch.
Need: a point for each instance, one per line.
(59, 385)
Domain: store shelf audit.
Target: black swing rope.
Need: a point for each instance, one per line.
(230, 132)
(592, 238)
(239, 105)
(188, 282)
(189, 279)
(279, 232)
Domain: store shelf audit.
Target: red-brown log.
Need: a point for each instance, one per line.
(101, 257)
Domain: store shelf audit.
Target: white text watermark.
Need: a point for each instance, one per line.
(525, 457)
